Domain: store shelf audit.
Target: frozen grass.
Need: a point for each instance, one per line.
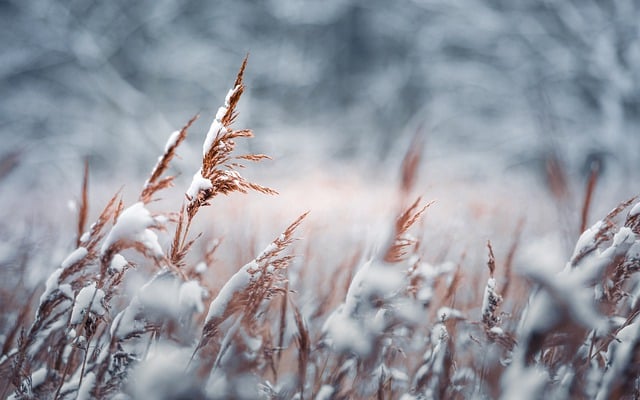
(145, 308)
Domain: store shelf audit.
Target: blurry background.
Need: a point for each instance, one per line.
(510, 82)
(535, 91)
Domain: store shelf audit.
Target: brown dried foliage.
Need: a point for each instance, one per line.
(154, 183)
(266, 280)
(411, 163)
(218, 164)
(400, 242)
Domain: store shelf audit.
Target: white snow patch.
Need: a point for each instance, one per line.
(634, 251)
(237, 283)
(325, 392)
(489, 292)
(190, 297)
(88, 382)
(624, 236)
(173, 138)
(198, 183)
(161, 375)
(216, 125)
(85, 237)
(371, 281)
(118, 262)
(201, 268)
(587, 239)
(132, 225)
(445, 313)
(345, 333)
(520, 382)
(544, 254)
(214, 129)
(497, 330)
(619, 354)
(75, 256)
(37, 378)
(89, 298)
(53, 284)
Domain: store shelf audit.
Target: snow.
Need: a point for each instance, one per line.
(124, 322)
(544, 253)
(118, 262)
(227, 98)
(164, 296)
(619, 355)
(214, 129)
(190, 297)
(445, 313)
(237, 283)
(89, 298)
(75, 256)
(162, 374)
(267, 251)
(325, 392)
(198, 183)
(371, 281)
(53, 284)
(351, 327)
(489, 294)
(624, 236)
(88, 382)
(201, 268)
(587, 239)
(217, 126)
(39, 377)
(383, 371)
(133, 225)
(85, 237)
(36, 379)
(252, 344)
(635, 210)
(570, 293)
(345, 333)
(520, 382)
(160, 295)
(173, 138)
(497, 330)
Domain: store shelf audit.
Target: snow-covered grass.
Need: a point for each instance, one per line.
(146, 306)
